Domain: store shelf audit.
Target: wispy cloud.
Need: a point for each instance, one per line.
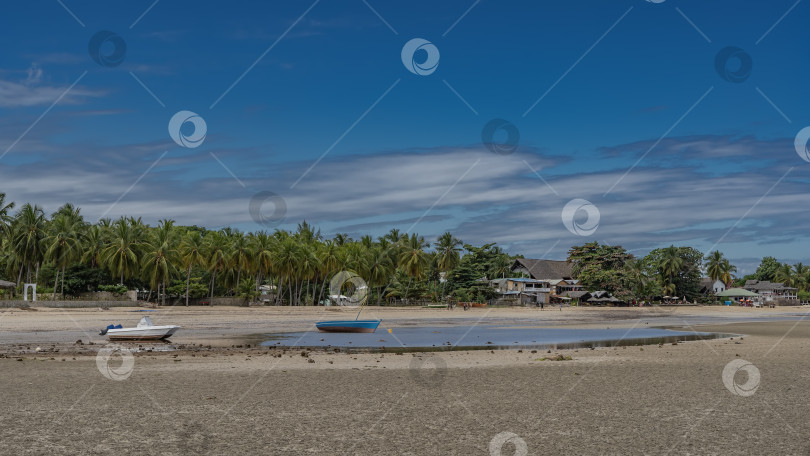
(30, 93)
(500, 200)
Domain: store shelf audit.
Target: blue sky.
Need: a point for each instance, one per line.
(595, 89)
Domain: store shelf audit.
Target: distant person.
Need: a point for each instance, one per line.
(541, 305)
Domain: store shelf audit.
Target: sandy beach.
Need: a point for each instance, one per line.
(214, 391)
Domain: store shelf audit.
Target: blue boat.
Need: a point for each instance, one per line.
(348, 326)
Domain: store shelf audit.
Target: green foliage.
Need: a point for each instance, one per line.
(247, 289)
(767, 268)
(603, 267)
(804, 296)
(719, 268)
(678, 270)
(117, 289)
(81, 279)
(197, 289)
(470, 279)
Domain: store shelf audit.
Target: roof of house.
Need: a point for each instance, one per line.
(707, 284)
(576, 294)
(7, 284)
(544, 269)
(765, 285)
(525, 280)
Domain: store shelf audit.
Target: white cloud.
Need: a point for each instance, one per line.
(498, 200)
(30, 93)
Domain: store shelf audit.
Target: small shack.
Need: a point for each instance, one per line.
(743, 296)
(6, 285)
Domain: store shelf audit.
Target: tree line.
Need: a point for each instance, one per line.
(672, 271)
(75, 256)
(68, 256)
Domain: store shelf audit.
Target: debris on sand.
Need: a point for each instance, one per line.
(556, 358)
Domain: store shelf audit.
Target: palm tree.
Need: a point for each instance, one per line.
(193, 253)
(28, 238)
(63, 245)
(380, 270)
(5, 217)
(726, 269)
(714, 265)
(448, 249)
(784, 274)
(95, 238)
(216, 245)
(262, 247)
(308, 267)
(240, 254)
(670, 265)
(285, 260)
(802, 275)
(342, 239)
(121, 254)
(160, 256)
(413, 260)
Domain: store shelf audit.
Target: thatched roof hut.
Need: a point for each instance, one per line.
(7, 284)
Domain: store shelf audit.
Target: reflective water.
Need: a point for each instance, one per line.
(481, 337)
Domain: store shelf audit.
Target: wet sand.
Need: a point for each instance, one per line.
(668, 399)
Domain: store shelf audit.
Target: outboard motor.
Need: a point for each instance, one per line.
(109, 327)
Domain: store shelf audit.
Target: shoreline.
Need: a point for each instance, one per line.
(670, 398)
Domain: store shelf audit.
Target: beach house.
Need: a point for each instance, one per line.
(773, 291)
(709, 286)
(548, 281)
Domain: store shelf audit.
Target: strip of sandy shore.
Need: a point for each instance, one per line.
(218, 394)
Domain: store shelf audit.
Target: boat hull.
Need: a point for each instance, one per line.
(148, 333)
(348, 326)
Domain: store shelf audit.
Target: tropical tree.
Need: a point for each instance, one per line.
(121, 256)
(63, 244)
(240, 254)
(95, 239)
(160, 257)
(714, 265)
(412, 259)
(678, 270)
(602, 267)
(192, 254)
(802, 274)
(785, 274)
(216, 246)
(5, 217)
(28, 238)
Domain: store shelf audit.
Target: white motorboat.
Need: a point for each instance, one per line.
(144, 331)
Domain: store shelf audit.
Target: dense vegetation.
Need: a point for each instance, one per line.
(75, 256)
(69, 256)
(671, 271)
